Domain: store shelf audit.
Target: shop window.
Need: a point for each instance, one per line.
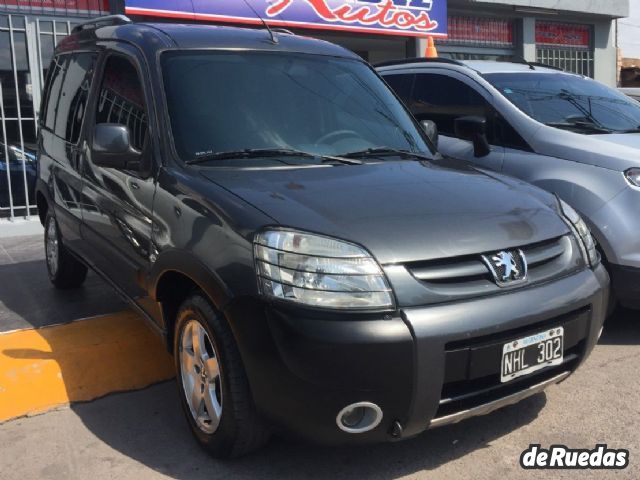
(566, 46)
(121, 99)
(443, 99)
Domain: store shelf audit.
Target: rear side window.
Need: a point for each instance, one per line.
(443, 99)
(67, 94)
(52, 95)
(121, 99)
(401, 84)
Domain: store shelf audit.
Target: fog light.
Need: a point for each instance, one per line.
(359, 417)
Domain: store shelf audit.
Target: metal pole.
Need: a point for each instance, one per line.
(15, 76)
(6, 151)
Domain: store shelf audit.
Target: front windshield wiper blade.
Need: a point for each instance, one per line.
(268, 153)
(579, 126)
(384, 152)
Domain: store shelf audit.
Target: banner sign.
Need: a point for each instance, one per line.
(481, 32)
(563, 34)
(388, 17)
(62, 7)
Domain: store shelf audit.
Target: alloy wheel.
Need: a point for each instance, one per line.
(200, 372)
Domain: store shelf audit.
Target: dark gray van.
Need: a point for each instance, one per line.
(312, 262)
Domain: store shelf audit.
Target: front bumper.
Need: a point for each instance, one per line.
(303, 368)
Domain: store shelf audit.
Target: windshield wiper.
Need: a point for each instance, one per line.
(249, 153)
(268, 153)
(579, 126)
(384, 152)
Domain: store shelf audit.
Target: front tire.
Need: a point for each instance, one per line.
(65, 270)
(214, 390)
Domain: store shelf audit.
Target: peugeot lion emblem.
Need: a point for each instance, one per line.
(508, 267)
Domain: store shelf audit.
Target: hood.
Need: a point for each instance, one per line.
(400, 211)
(622, 139)
(613, 151)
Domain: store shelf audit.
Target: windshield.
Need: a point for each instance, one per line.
(236, 101)
(570, 101)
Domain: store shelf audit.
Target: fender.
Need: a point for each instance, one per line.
(187, 264)
(43, 188)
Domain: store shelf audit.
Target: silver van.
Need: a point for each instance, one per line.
(563, 132)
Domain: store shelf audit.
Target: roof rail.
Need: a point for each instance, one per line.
(105, 21)
(403, 61)
(550, 67)
(282, 30)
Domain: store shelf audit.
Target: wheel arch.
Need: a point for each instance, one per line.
(43, 201)
(177, 274)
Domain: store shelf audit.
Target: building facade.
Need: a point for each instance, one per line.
(576, 35)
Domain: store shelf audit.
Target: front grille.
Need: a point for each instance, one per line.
(472, 372)
(469, 276)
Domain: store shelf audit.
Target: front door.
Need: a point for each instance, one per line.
(443, 98)
(117, 204)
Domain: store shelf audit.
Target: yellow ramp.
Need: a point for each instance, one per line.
(47, 367)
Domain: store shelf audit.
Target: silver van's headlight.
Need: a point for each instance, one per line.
(319, 271)
(633, 176)
(587, 243)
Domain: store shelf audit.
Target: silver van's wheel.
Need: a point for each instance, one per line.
(65, 270)
(213, 385)
(201, 381)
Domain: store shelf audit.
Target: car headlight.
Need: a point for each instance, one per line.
(581, 230)
(633, 176)
(319, 271)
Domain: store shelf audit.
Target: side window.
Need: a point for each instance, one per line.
(402, 85)
(73, 96)
(52, 90)
(121, 99)
(443, 99)
(507, 136)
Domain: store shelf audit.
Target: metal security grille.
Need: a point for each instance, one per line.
(17, 116)
(571, 60)
(27, 44)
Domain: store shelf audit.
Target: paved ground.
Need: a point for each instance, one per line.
(26, 297)
(143, 435)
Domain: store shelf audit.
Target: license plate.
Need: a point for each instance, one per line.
(529, 354)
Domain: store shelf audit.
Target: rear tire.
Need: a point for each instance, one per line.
(214, 390)
(65, 270)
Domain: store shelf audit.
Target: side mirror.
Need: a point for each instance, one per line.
(112, 148)
(475, 130)
(431, 129)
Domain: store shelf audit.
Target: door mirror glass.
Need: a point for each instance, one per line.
(112, 148)
(431, 129)
(474, 128)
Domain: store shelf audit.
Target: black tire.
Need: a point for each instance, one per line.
(68, 272)
(240, 429)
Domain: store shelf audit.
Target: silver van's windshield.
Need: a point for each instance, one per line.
(234, 101)
(569, 101)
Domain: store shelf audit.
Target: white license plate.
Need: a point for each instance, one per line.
(529, 354)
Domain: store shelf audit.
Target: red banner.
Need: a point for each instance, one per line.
(480, 31)
(563, 34)
(59, 6)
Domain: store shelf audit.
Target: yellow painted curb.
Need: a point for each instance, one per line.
(43, 368)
